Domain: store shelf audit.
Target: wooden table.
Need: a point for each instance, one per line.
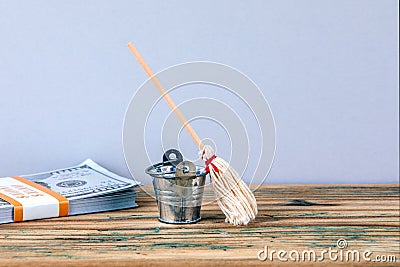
(291, 217)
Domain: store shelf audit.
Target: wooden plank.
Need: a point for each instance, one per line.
(291, 217)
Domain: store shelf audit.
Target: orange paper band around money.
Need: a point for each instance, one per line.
(18, 207)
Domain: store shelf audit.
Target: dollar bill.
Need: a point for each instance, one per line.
(88, 187)
(86, 180)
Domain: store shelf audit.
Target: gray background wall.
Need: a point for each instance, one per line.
(329, 70)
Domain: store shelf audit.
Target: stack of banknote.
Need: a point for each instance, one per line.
(88, 187)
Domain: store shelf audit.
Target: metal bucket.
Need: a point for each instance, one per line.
(178, 186)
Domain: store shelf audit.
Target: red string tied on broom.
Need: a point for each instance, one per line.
(209, 162)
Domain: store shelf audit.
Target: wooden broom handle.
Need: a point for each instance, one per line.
(165, 95)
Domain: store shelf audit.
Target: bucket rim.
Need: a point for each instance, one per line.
(152, 171)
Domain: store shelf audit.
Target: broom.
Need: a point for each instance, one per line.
(234, 197)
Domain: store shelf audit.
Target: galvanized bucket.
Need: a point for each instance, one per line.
(178, 186)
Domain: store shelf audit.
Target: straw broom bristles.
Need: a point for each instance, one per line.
(234, 197)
